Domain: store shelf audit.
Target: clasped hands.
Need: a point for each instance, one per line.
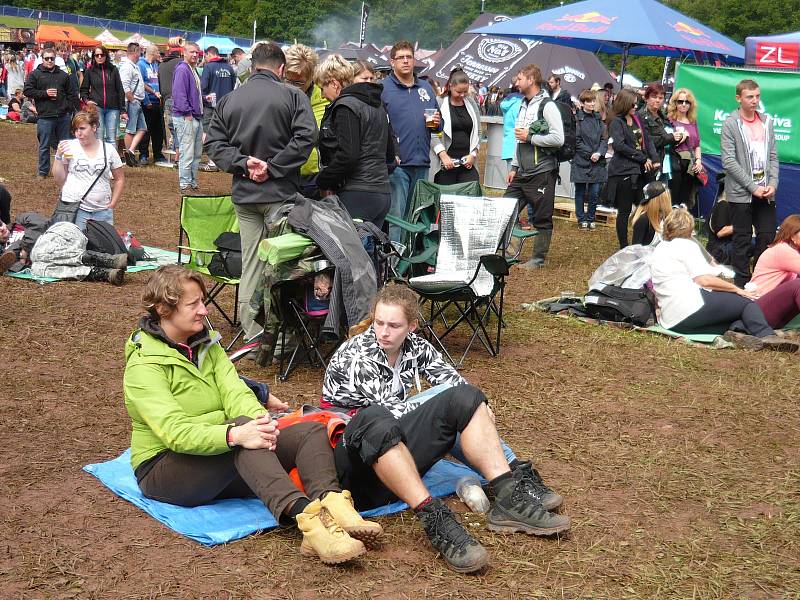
(257, 169)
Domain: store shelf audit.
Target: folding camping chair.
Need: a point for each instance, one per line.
(470, 275)
(203, 219)
(420, 227)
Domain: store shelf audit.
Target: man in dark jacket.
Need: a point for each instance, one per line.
(56, 99)
(216, 82)
(557, 93)
(261, 133)
(165, 72)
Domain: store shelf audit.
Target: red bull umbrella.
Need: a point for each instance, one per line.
(643, 27)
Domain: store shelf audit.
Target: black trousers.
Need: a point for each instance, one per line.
(429, 432)
(759, 215)
(457, 175)
(367, 206)
(626, 190)
(540, 192)
(681, 186)
(155, 131)
(191, 480)
(725, 310)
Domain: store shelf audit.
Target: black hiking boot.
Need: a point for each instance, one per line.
(107, 261)
(458, 548)
(112, 276)
(534, 486)
(515, 509)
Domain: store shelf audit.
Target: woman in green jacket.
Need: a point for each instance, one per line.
(199, 434)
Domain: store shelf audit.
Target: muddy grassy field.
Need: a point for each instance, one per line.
(680, 465)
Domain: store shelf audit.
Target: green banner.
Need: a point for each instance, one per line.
(715, 90)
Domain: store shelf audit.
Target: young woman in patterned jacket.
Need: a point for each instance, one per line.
(392, 441)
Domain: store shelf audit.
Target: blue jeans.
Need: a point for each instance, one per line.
(581, 190)
(402, 182)
(456, 452)
(50, 131)
(136, 120)
(109, 124)
(190, 143)
(106, 215)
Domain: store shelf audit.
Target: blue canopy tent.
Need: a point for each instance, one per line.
(223, 44)
(639, 27)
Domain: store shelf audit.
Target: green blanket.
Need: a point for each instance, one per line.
(157, 258)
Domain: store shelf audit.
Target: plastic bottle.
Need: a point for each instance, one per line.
(470, 492)
(126, 239)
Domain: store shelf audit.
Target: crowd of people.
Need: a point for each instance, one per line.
(198, 431)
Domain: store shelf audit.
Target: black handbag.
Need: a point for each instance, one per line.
(68, 211)
(227, 262)
(615, 303)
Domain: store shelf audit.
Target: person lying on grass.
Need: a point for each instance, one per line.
(199, 434)
(391, 441)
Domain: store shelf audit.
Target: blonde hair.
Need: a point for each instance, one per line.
(678, 224)
(165, 288)
(672, 107)
(302, 60)
(334, 67)
(656, 209)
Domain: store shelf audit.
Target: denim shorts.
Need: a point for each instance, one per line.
(135, 117)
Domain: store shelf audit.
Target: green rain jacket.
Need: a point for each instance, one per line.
(175, 405)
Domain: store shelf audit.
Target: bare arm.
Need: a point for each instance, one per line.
(117, 185)
(717, 284)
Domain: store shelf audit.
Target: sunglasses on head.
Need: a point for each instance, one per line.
(689, 102)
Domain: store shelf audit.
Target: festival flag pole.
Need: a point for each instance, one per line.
(254, 32)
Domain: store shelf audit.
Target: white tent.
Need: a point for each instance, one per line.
(109, 40)
(139, 39)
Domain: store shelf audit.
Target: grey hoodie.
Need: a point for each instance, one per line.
(739, 184)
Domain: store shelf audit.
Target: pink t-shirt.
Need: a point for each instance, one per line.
(776, 265)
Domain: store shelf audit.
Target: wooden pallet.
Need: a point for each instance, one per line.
(566, 211)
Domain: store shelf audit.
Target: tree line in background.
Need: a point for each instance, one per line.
(433, 23)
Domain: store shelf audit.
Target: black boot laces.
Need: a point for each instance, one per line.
(444, 527)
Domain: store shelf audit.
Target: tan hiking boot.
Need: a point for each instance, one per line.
(322, 537)
(340, 506)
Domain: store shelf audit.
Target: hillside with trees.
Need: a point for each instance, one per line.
(433, 23)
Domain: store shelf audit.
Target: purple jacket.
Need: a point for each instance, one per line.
(185, 94)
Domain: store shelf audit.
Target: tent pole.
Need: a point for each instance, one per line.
(625, 49)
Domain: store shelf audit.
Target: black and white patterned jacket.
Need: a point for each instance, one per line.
(359, 373)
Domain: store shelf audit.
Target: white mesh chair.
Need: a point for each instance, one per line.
(468, 284)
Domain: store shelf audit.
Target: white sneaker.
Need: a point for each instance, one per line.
(163, 163)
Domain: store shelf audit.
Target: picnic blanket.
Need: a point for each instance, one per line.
(231, 519)
(157, 257)
(707, 340)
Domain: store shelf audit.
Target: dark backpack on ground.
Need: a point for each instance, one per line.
(104, 238)
(228, 261)
(615, 303)
(567, 150)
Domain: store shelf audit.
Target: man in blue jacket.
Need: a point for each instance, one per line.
(406, 97)
(151, 107)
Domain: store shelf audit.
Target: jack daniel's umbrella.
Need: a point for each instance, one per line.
(494, 61)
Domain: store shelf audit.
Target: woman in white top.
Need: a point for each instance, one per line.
(78, 164)
(454, 151)
(692, 298)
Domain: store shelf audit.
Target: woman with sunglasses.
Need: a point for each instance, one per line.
(686, 156)
(102, 88)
